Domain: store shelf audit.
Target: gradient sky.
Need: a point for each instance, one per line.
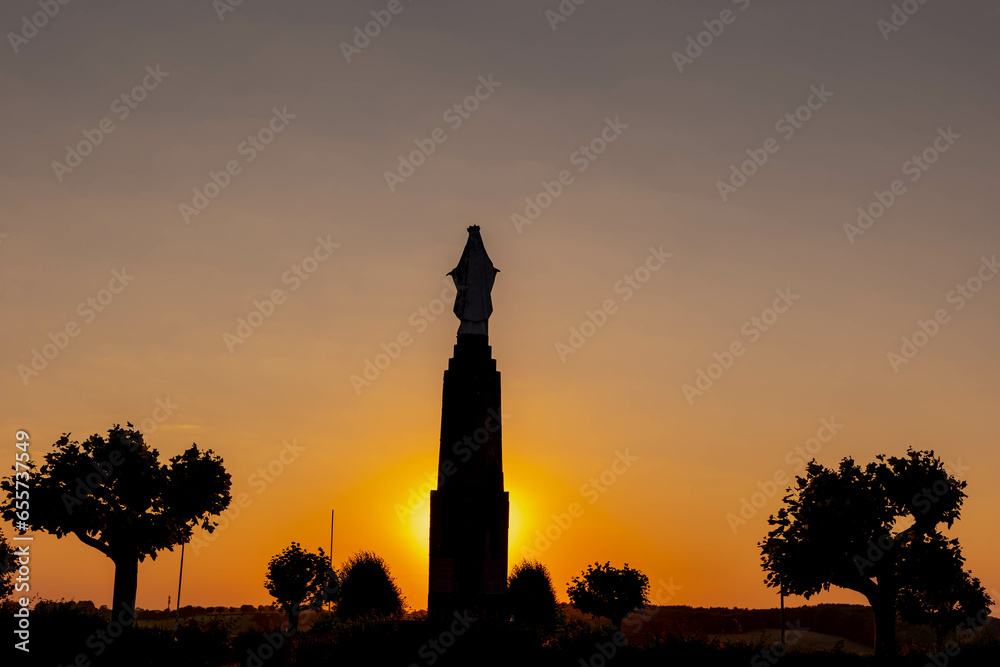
(162, 337)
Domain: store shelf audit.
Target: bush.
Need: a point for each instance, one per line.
(531, 598)
(367, 590)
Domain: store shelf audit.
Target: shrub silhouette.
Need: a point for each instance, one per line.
(531, 597)
(367, 589)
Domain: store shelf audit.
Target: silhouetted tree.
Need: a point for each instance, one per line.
(531, 597)
(607, 591)
(298, 579)
(869, 530)
(7, 567)
(115, 496)
(367, 589)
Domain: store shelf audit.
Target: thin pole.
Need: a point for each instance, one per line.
(177, 619)
(784, 646)
(329, 603)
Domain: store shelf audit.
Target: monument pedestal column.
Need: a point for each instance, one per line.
(470, 509)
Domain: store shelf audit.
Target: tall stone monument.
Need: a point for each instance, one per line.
(470, 509)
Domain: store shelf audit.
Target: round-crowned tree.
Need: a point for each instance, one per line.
(367, 589)
(607, 591)
(876, 530)
(116, 496)
(300, 580)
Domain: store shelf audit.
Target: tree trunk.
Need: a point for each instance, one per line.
(126, 583)
(885, 626)
(941, 634)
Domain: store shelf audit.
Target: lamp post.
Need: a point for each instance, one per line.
(784, 646)
(177, 618)
(329, 603)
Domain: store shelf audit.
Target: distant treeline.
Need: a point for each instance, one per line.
(187, 611)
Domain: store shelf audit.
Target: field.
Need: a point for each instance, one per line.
(253, 636)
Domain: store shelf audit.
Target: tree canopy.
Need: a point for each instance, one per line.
(114, 495)
(7, 567)
(956, 595)
(297, 578)
(607, 591)
(874, 530)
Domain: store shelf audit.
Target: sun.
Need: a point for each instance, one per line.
(420, 525)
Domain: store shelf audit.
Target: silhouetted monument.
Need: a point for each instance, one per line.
(470, 509)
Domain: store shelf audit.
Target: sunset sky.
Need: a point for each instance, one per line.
(622, 145)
